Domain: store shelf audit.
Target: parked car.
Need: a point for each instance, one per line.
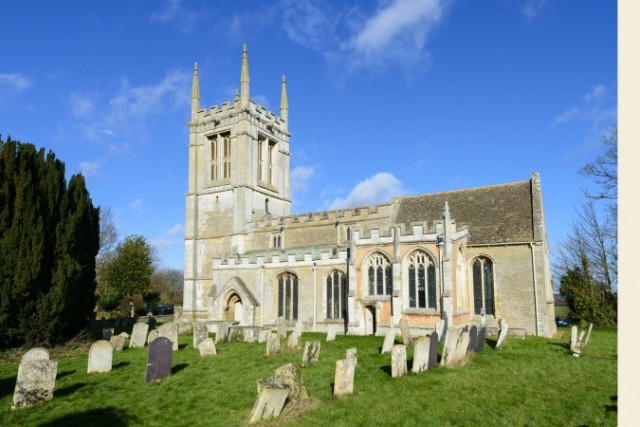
(162, 309)
(563, 322)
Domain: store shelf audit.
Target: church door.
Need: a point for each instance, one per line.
(369, 320)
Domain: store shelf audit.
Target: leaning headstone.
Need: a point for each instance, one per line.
(574, 346)
(100, 357)
(207, 348)
(581, 337)
(159, 359)
(222, 332)
(473, 339)
(405, 330)
(421, 354)
(200, 333)
(273, 344)
(138, 335)
(270, 402)
(440, 327)
(585, 341)
(107, 333)
(311, 353)
(170, 330)
(502, 332)
(389, 339)
(433, 350)
(450, 344)
(398, 360)
(152, 336)
(292, 342)
(462, 346)
(36, 353)
(290, 375)
(331, 333)
(343, 380)
(117, 342)
(35, 382)
(282, 328)
(352, 356)
(482, 333)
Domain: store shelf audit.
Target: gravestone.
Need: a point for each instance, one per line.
(450, 344)
(389, 340)
(170, 330)
(290, 375)
(107, 333)
(117, 342)
(343, 380)
(311, 353)
(581, 337)
(200, 333)
(100, 357)
(503, 328)
(152, 336)
(331, 333)
(270, 402)
(35, 382)
(420, 354)
(159, 359)
(574, 346)
(236, 333)
(482, 333)
(352, 356)
(123, 335)
(433, 350)
(440, 327)
(398, 360)
(292, 342)
(586, 338)
(207, 348)
(298, 329)
(222, 332)
(461, 346)
(184, 326)
(273, 344)
(263, 335)
(282, 327)
(473, 339)
(36, 353)
(138, 335)
(405, 331)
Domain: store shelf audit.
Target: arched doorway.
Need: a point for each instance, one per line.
(234, 310)
(369, 320)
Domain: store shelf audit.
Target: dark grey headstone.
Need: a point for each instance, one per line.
(473, 339)
(433, 350)
(482, 333)
(159, 359)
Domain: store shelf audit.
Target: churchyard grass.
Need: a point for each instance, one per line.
(532, 381)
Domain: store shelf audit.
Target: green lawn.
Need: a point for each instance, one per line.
(532, 381)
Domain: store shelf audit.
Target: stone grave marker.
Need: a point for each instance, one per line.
(222, 333)
(282, 327)
(311, 353)
(263, 335)
(345, 373)
(292, 342)
(445, 327)
(170, 330)
(433, 350)
(421, 354)
(236, 333)
(581, 336)
(36, 353)
(331, 333)
(123, 335)
(270, 402)
(200, 333)
(298, 329)
(503, 328)
(473, 339)
(100, 357)
(138, 335)
(586, 338)
(462, 346)
(389, 340)
(159, 359)
(290, 375)
(398, 360)
(107, 333)
(117, 342)
(450, 344)
(352, 356)
(440, 327)
(482, 333)
(184, 326)
(35, 382)
(207, 348)
(152, 336)
(273, 344)
(574, 346)
(405, 331)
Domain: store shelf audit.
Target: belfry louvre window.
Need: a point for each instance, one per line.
(287, 295)
(266, 159)
(421, 275)
(379, 275)
(483, 286)
(336, 287)
(220, 156)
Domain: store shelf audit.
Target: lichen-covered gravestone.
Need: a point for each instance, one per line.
(200, 333)
(100, 357)
(421, 354)
(284, 388)
(503, 328)
(343, 381)
(398, 360)
(138, 335)
(311, 353)
(207, 348)
(352, 356)
(331, 333)
(117, 342)
(159, 359)
(270, 402)
(170, 330)
(152, 336)
(389, 339)
(36, 379)
(292, 342)
(273, 344)
(222, 332)
(405, 330)
(461, 347)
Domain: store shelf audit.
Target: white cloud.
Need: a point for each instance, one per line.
(81, 105)
(89, 169)
(533, 9)
(300, 176)
(136, 206)
(598, 93)
(13, 84)
(309, 23)
(174, 10)
(598, 106)
(381, 187)
(171, 237)
(176, 229)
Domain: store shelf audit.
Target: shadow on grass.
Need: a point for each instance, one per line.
(120, 365)
(68, 390)
(491, 342)
(108, 417)
(386, 369)
(7, 385)
(614, 406)
(64, 374)
(178, 368)
(181, 346)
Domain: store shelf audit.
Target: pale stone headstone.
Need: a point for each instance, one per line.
(36, 353)
(152, 336)
(462, 346)
(581, 337)
(345, 373)
(483, 317)
(352, 355)
(502, 332)
(574, 346)
(100, 357)
(405, 331)
(236, 334)
(311, 353)
(421, 354)
(270, 402)
(433, 350)
(184, 326)
(107, 333)
(298, 329)
(170, 330)
(586, 338)
(398, 360)
(287, 378)
(123, 335)
(207, 348)
(117, 342)
(292, 342)
(250, 334)
(263, 335)
(290, 375)
(138, 335)
(331, 333)
(159, 359)
(282, 328)
(222, 332)
(450, 344)
(273, 344)
(473, 339)
(389, 339)
(35, 382)
(200, 333)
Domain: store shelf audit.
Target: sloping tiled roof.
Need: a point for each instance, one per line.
(493, 214)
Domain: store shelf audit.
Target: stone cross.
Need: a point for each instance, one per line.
(170, 330)
(35, 382)
(200, 333)
(311, 353)
(117, 342)
(273, 344)
(421, 354)
(344, 376)
(138, 335)
(398, 360)
(503, 328)
(100, 357)
(159, 359)
(331, 333)
(389, 339)
(405, 330)
(207, 348)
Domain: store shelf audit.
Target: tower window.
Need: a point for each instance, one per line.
(220, 157)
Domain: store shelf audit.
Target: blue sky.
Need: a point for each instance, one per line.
(385, 97)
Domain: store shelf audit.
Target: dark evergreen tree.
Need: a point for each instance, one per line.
(49, 237)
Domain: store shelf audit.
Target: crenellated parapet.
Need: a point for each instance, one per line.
(306, 256)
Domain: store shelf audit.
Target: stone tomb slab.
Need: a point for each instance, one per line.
(100, 357)
(311, 353)
(421, 354)
(345, 373)
(159, 359)
(117, 342)
(200, 333)
(389, 339)
(138, 335)
(35, 382)
(398, 360)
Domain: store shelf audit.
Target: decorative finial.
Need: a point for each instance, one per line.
(284, 104)
(195, 93)
(244, 79)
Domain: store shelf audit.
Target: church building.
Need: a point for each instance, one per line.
(459, 255)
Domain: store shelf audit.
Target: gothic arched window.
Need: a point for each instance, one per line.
(379, 274)
(336, 292)
(421, 278)
(483, 286)
(287, 295)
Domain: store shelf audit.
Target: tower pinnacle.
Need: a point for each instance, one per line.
(244, 79)
(195, 93)
(284, 104)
